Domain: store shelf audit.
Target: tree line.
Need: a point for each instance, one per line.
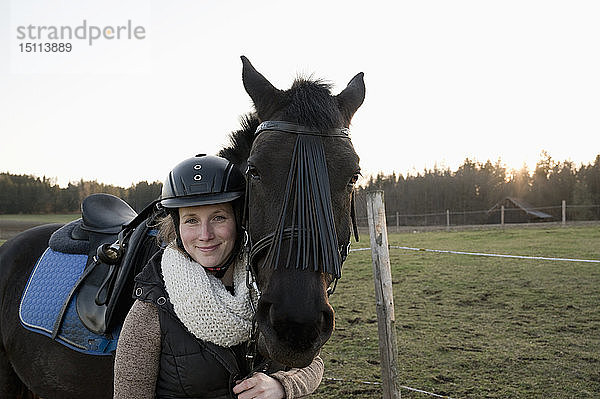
(474, 186)
(478, 186)
(33, 195)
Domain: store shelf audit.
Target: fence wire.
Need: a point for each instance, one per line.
(435, 395)
(450, 217)
(484, 254)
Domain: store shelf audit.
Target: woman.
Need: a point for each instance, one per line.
(186, 334)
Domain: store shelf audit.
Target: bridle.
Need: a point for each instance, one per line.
(307, 199)
(272, 241)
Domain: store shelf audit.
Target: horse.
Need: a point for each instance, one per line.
(295, 242)
(301, 168)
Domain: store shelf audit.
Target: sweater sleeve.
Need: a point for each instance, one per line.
(301, 382)
(137, 358)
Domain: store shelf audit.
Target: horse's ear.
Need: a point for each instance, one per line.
(264, 95)
(352, 96)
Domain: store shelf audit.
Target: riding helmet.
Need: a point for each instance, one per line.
(202, 180)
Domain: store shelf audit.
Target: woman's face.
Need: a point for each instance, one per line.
(208, 232)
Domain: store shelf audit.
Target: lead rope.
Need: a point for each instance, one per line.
(252, 344)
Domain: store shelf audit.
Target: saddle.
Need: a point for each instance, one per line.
(113, 241)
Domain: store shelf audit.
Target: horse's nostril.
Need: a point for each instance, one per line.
(327, 320)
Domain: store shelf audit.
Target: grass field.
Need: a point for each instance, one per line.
(475, 327)
(10, 225)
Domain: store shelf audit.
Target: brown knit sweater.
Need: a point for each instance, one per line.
(139, 344)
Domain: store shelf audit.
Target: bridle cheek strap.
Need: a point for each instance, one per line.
(353, 216)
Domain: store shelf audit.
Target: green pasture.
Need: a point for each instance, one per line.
(475, 327)
(41, 219)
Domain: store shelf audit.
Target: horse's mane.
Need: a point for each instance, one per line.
(240, 141)
(308, 102)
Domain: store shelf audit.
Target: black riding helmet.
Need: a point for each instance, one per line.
(204, 180)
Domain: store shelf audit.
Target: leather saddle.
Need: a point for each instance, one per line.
(117, 241)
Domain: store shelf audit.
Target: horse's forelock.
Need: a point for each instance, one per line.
(310, 103)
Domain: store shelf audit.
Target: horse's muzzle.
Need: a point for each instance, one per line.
(294, 330)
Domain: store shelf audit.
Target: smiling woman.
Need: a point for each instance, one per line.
(195, 311)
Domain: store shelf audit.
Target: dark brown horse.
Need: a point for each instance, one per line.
(294, 316)
(301, 169)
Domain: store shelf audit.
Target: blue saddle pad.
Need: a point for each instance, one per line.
(49, 285)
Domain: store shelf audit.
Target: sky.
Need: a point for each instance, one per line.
(446, 80)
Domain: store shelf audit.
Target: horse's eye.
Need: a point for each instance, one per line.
(252, 173)
(354, 179)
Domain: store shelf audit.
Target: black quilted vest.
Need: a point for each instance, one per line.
(189, 367)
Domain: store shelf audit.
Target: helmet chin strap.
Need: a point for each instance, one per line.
(221, 270)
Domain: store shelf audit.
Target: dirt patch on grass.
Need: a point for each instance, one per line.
(10, 228)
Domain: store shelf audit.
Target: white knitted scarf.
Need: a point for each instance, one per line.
(202, 302)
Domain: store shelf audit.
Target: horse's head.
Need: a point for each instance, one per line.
(300, 179)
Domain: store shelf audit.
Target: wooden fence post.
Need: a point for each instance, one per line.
(384, 299)
(564, 212)
(502, 215)
(448, 219)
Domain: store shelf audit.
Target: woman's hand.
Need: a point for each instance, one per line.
(259, 386)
